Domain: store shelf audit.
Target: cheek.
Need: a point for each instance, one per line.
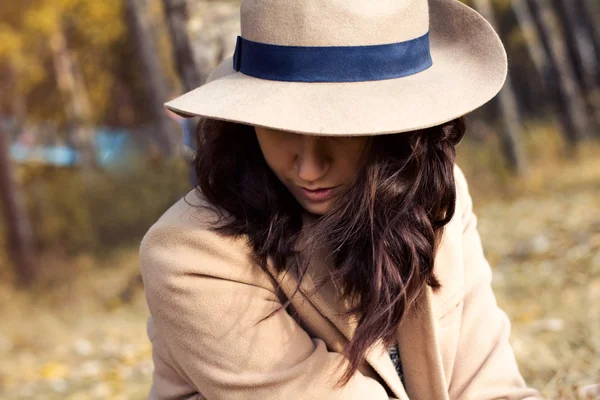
(349, 158)
(276, 153)
(277, 160)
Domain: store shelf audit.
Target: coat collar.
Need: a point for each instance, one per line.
(416, 335)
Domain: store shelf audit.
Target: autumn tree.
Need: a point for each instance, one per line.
(56, 74)
(73, 60)
(582, 57)
(142, 34)
(560, 76)
(38, 32)
(511, 135)
(177, 14)
(18, 230)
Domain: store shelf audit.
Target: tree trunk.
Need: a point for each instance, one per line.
(584, 12)
(582, 56)
(176, 13)
(19, 234)
(532, 39)
(511, 136)
(71, 85)
(142, 35)
(560, 78)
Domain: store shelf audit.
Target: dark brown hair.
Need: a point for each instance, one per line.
(382, 234)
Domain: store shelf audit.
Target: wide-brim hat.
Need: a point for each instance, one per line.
(352, 67)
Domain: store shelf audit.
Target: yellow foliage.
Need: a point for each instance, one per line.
(100, 22)
(11, 42)
(95, 33)
(42, 20)
(54, 370)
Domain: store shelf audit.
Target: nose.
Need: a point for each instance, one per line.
(312, 161)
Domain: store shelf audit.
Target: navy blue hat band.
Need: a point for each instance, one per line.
(332, 63)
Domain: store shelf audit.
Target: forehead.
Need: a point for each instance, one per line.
(289, 134)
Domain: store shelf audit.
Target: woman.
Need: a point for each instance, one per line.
(330, 250)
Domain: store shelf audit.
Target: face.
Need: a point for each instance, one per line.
(316, 169)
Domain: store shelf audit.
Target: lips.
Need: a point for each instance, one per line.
(317, 195)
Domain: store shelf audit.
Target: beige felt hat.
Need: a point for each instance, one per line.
(352, 67)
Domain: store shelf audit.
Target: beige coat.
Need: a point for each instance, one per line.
(207, 302)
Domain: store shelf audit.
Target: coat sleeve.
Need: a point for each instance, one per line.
(215, 332)
(485, 365)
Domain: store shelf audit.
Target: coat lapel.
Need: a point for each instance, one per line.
(420, 353)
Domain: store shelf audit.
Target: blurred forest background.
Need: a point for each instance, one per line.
(89, 159)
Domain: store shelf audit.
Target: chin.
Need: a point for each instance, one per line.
(317, 209)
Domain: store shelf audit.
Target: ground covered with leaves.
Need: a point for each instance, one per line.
(545, 251)
(81, 334)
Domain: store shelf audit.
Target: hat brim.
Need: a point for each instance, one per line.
(469, 69)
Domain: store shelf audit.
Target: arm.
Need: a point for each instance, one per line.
(210, 313)
(485, 366)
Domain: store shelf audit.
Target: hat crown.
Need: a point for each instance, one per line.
(333, 22)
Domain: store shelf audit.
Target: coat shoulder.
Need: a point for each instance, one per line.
(183, 241)
(191, 210)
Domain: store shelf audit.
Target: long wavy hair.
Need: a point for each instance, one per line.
(382, 234)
